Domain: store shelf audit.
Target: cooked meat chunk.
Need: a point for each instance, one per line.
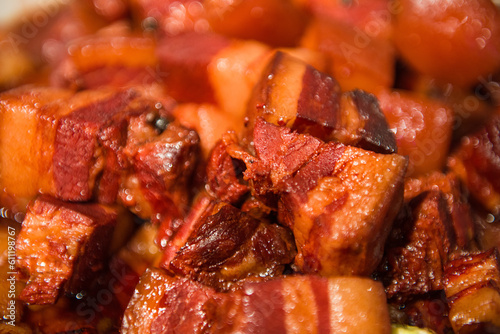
(303, 304)
(300, 304)
(230, 245)
(365, 124)
(107, 60)
(26, 159)
(472, 287)
(338, 200)
(173, 235)
(418, 248)
(312, 102)
(61, 247)
(476, 161)
(162, 168)
(280, 155)
(456, 201)
(85, 145)
(68, 146)
(166, 304)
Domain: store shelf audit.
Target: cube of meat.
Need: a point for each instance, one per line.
(300, 304)
(312, 102)
(229, 245)
(339, 200)
(158, 185)
(476, 162)
(472, 288)
(303, 304)
(418, 248)
(457, 203)
(85, 145)
(112, 60)
(166, 304)
(61, 247)
(68, 145)
(26, 141)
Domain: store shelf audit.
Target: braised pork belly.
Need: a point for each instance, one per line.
(164, 304)
(61, 246)
(257, 166)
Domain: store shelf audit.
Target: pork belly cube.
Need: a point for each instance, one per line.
(61, 247)
(112, 59)
(163, 303)
(472, 288)
(357, 61)
(341, 217)
(294, 94)
(235, 70)
(68, 145)
(88, 158)
(162, 168)
(274, 22)
(303, 304)
(423, 129)
(418, 248)
(300, 304)
(229, 245)
(475, 161)
(339, 200)
(457, 204)
(26, 142)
